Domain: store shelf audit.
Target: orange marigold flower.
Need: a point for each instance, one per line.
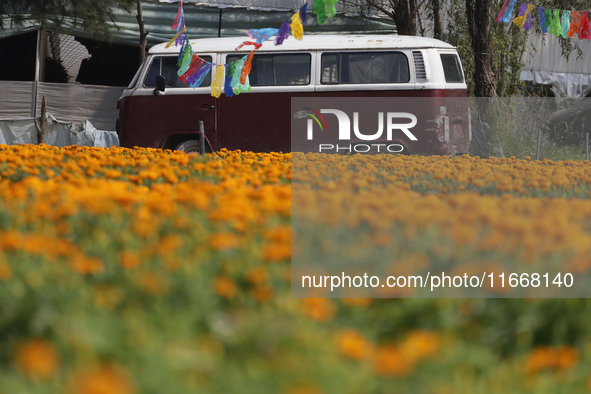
(363, 302)
(262, 293)
(104, 380)
(419, 344)
(257, 275)
(566, 357)
(279, 234)
(321, 309)
(86, 265)
(129, 260)
(277, 251)
(170, 243)
(225, 287)
(223, 241)
(170, 177)
(541, 358)
(37, 358)
(153, 283)
(353, 344)
(390, 360)
(112, 173)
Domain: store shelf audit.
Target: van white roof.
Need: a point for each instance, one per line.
(310, 42)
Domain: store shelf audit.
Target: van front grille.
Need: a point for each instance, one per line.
(420, 70)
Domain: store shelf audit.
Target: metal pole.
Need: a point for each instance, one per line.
(587, 153)
(37, 75)
(220, 24)
(201, 138)
(42, 125)
(586, 141)
(539, 141)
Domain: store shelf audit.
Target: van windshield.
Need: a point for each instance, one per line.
(136, 76)
(278, 70)
(364, 68)
(167, 67)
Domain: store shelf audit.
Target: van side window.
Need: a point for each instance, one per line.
(167, 67)
(278, 70)
(330, 68)
(452, 68)
(364, 68)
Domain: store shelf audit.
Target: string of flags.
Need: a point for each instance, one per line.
(232, 79)
(562, 23)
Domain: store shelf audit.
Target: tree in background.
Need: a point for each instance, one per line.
(474, 39)
(403, 12)
(96, 17)
(494, 59)
(143, 32)
(491, 52)
(430, 10)
(478, 14)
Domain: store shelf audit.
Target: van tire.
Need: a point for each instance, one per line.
(190, 146)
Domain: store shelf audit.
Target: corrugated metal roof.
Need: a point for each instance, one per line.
(204, 21)
(284, 5)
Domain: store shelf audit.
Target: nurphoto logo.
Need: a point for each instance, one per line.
(395, 121)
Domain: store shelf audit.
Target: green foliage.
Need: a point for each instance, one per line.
(517, 123)
(508, 46)
(508, 43)
(96, 17)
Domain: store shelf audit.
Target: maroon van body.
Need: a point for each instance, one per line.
(315, 67)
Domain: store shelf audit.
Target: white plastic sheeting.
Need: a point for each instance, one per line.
(73, 102)
(18, 131)
(545, 64)
(564, 85)
(67, 102)
(23, 131)
(15, 99)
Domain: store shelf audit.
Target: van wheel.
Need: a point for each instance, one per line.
(191, 146)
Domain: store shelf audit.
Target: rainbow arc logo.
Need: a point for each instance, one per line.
(316, 115)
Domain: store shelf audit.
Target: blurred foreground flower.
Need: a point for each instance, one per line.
(106, 379)
(37, 358)
(353, 344)
(542, 358)
(321, 309)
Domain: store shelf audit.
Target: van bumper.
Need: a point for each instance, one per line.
(459, 149)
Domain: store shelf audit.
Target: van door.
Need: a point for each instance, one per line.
(457, 102)
(260, 119)
(175, 115)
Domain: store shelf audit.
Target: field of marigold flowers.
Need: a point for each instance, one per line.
(147, 271)
(465, 214)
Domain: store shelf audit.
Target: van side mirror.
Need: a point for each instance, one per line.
(160, 85)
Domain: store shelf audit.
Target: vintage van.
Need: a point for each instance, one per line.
(317, 66)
